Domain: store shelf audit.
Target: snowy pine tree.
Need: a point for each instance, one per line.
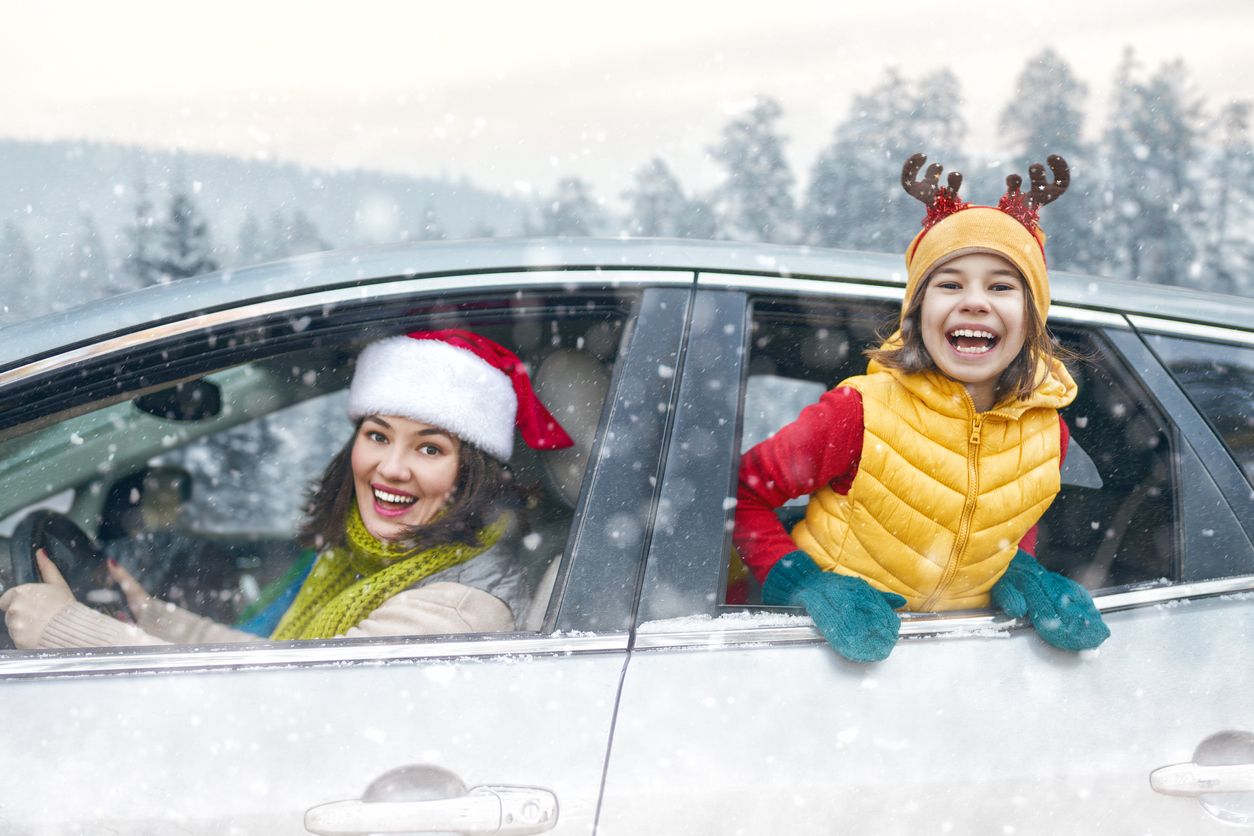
(251, 246)
(303, 235)
(659, 207)
(657, 203)
(1230, 204)
(429, 229)
(855, 197)
(1151, 157)
(573, 210)
(938, 125)
(19, 284)
(140, 264)
(185, 248)
(86, 266)
(755, 202)
(1046, 116)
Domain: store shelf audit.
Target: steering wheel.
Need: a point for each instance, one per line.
(72, 551)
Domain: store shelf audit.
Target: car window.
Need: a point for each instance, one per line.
(1219, 378)
(1111, 524)
(249, 478)
(205, 511)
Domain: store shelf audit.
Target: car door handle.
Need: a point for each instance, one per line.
(1194, 779)
(482, 810)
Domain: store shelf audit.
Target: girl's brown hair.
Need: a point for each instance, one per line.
(1017, 379)
(484, 488)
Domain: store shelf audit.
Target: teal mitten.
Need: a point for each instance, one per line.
(856, 619)
(1061, 610)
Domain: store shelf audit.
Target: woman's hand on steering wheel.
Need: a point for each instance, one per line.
(31, 606)
(137, 598)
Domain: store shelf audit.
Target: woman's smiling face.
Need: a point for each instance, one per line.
(974, 321)
(404, 472)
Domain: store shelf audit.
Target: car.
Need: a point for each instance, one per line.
(647, 689)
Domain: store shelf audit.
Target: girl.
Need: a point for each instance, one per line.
(413, 517)
(927, 474)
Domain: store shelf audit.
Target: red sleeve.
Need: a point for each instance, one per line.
(1028, 543)
(822, 447)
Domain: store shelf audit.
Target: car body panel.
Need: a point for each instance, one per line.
(981, 731)
(249, 750)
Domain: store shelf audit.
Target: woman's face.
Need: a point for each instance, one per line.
(404, 472)
(974, 321)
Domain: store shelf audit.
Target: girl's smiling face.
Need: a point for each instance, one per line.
(973, 321)
(404, 472)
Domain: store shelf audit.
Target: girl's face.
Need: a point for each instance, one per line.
(973, 321)
(404, 472)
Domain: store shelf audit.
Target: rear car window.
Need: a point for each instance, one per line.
(1114, 520)
(1219, 378)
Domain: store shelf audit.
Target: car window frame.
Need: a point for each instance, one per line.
(619, 479)
(1150, 327)
(679, 606)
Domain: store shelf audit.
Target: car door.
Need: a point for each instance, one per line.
(739, 719)
(478, 734)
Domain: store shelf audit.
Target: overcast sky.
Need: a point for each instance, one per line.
(515, 95)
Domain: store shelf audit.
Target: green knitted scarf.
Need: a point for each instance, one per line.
(350, 582)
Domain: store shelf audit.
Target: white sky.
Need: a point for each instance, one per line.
(515, 95)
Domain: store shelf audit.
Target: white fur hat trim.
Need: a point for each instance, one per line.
(438, 384)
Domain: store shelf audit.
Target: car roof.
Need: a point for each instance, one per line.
(347, 268)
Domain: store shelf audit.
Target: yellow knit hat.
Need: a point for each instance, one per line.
(1011, 229)
(980, 229)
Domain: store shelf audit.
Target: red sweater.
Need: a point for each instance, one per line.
(822, 447)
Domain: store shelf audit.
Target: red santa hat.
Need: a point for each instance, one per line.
(458, 381)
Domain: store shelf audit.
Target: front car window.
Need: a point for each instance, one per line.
(205, 509)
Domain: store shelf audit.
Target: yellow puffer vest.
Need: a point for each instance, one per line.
(942, 495)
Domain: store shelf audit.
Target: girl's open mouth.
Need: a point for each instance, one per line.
(972, 340)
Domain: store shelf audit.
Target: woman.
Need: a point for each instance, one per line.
(412, 520)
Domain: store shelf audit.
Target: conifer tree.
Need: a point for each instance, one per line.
(429, 229)
(185, 246)
(573, 211)
(1152, 158)
(938, 125)
(303, 235)
(855, 197)
(659, 207)
(1230, 204)
(1045, 116)
(19, 284)
(86, 266)
(251, 246)
(657, 203)
(755, 202)
(140, 264)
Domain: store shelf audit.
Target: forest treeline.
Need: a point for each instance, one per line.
(1164, 192)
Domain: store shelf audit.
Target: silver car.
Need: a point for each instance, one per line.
(646, 690)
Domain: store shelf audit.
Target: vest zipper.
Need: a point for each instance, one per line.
(968, 511)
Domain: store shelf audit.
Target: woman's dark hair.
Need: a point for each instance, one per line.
(484, 488)
(1019, 378)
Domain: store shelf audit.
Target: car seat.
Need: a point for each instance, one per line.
(572, 384)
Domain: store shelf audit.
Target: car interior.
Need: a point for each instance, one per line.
(246, 440)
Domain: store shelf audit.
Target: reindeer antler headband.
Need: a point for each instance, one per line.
(1011, 229)
(943, 201)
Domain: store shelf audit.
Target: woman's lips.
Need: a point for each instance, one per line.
(390, 502)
